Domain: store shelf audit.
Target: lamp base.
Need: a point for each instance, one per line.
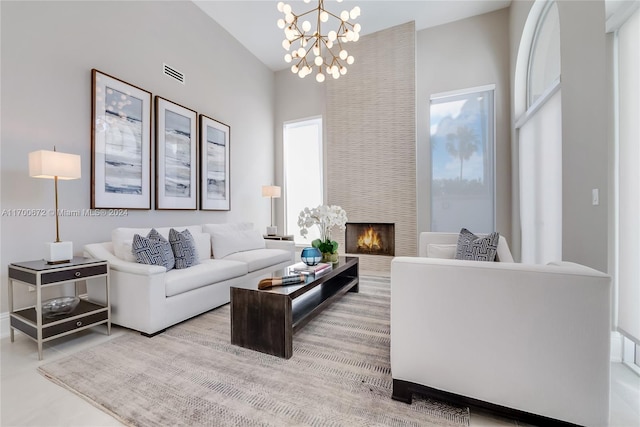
(59, 252)
(272, 230)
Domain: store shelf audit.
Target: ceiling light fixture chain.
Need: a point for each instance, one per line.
(322, 46)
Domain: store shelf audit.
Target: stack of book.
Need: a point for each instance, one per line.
(316, 270)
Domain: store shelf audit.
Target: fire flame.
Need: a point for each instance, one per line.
(370, 240)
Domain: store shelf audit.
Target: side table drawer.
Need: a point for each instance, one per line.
(73, 274)
(60, 328)
(74, 324)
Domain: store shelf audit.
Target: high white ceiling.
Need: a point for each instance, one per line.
(253, 22)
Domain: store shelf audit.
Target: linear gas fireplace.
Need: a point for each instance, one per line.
(370, 238)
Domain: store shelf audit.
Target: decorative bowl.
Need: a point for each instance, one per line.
(311, 256)
(59, 306)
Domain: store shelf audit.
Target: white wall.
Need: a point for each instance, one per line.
(584, 132)
(48, 51)
(468, 53)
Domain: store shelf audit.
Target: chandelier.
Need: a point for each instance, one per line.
(325, 51)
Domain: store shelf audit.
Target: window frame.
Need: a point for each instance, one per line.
(548, 91)
(451, 96)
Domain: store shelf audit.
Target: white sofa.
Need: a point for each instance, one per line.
(527, 341)
(148, 298)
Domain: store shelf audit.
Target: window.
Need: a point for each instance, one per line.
(544, 60)
(462, 161)
(302, 141)
(539, 136)
(540, 160)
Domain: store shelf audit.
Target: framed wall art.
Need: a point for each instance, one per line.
(214, 165)
(176, 156)
(120, 144)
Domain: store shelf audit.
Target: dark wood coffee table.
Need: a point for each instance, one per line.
(265, 320)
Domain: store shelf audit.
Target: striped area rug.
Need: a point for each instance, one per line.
(191, 375)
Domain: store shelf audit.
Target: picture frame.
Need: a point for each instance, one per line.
(176, 156)
(215, 149)
(120, 144)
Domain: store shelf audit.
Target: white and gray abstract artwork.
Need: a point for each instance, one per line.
(177, 155)
(123, 143)
(216, 164)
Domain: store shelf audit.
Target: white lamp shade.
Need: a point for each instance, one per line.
(271, 191)
(49, 164)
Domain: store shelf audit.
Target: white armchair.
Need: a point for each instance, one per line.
(527, 341)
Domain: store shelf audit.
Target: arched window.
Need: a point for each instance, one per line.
(544, 59)
(538, 103)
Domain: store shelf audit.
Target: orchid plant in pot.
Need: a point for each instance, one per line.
(326, 218)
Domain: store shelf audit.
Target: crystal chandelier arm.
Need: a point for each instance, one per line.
(303, 62)
(304, 13)
(342, 27)
(353, 26)
(339, 18)
(334, 15)
(300, 36)
(335, 59)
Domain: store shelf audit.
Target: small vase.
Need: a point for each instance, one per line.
(311, 256)
(330, 257)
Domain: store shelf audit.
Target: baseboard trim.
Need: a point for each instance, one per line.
(403, 390)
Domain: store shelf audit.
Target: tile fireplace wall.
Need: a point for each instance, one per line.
(371, 140)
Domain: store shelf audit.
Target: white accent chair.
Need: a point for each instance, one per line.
(526, 341)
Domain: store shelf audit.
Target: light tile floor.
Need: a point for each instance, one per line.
(29, 399)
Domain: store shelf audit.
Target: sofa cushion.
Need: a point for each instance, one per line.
(445, 251)
(227, 226)
(472, 247)
(153, 250)
(503, 253)
(227, 242)
(124, 250)
(184, 248)
(122, 239)
(260, 258)
(203, 245)
(203, 274)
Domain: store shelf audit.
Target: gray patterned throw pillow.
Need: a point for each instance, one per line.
(184, 248)
(153, 250)
(472, 247)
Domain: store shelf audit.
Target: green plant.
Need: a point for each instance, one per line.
(326, 246)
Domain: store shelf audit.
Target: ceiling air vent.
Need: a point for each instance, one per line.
(173, 73)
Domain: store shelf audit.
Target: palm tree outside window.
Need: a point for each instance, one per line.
(462, 160)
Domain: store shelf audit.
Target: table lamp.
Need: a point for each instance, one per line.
(273, 192)
(55, 165)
